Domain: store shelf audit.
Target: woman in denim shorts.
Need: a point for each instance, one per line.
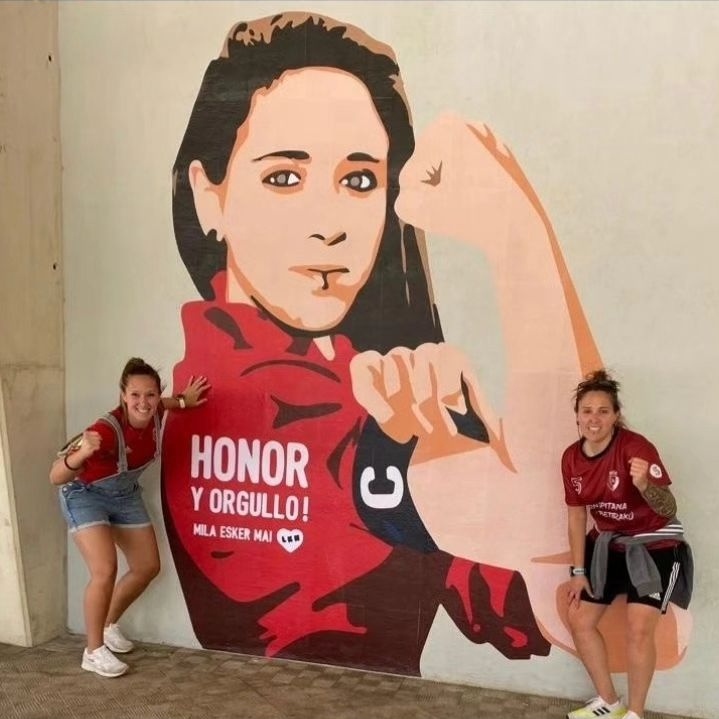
(101, 501)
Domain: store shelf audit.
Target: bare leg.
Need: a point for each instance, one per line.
(143, 560)
(642, 622)
(97, 547)
(589, 642)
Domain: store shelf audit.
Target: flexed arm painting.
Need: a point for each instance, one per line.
(349, 477)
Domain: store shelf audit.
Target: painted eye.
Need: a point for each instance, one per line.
(360, 181)
(283, 178)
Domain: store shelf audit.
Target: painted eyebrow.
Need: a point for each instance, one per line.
(361, 157)
(302, 155)
(289, 154)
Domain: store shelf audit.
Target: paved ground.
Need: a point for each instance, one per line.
(46, 682)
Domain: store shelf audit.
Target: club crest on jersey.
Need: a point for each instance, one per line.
(613, 480)
(577, 484)
(655, 470)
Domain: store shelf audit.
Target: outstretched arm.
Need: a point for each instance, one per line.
(191, 396)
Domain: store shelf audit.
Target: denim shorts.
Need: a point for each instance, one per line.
(116, 501)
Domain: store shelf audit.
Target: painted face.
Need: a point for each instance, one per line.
(303, 203)
(596, 418)
(141, 397)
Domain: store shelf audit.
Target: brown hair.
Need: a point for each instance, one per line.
(598, 381)
(136, 366)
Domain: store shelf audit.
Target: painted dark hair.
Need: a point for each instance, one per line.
(395, 306)
(598, 381)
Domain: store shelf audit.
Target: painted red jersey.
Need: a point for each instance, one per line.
(258, 479)
(141, 444)
(271, 551)
(603, 483)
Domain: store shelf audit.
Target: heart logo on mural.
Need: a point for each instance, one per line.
(290, 539)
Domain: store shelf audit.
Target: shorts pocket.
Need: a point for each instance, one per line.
(72, 489)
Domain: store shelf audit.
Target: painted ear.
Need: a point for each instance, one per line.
(206, 195)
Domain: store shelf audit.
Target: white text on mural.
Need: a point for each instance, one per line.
(254, 464)
(271, 463)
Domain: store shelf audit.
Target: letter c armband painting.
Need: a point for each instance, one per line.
(379, 499)
(381, 494)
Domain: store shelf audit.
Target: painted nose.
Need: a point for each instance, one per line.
(329, 240)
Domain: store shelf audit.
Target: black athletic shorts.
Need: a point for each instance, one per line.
(618, 581)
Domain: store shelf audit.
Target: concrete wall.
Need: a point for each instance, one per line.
(32, 538)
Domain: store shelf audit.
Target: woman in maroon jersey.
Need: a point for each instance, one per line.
(101, 501)
(636, 547)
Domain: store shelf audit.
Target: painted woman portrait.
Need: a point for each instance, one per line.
(349, 478)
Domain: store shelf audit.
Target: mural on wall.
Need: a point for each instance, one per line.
(317, 506)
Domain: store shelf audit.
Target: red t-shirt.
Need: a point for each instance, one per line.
(141, 446)
(603, 483)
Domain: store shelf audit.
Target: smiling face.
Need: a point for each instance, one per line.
(141, 398)
(302, 206)
(596, 418)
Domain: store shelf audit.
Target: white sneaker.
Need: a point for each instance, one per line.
(103, 662)
(115, 641)
(597, 708)
(632, 715)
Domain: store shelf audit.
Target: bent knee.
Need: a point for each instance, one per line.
(148, 571)
(640, 633)
(104, 573)
(154, 570)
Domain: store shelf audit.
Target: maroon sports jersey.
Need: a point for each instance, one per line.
(603, 483)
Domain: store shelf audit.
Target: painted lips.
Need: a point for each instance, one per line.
(323, 271)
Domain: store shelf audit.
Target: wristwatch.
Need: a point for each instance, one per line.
(577, 571)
